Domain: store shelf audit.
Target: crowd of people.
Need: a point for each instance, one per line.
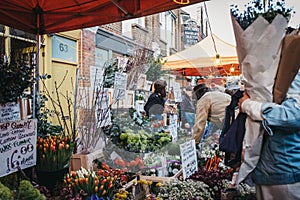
(277, 174)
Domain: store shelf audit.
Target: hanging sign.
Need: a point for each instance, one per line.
(188, 158)
(17, 145)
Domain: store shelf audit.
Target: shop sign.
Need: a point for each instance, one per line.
(17, 145)
(188, 158)
(191, 33)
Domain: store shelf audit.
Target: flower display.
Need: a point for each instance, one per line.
(54, 152)
(188, 189)
(95, 184)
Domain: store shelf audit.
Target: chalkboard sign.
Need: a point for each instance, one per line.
(17, 145)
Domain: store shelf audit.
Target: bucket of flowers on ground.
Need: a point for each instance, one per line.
(88, 184)
(55, 138)
(54, 153)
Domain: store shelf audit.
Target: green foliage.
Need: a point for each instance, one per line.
(28, 192)
(155, 72)
(15, 78)
(256, 8)
(10, 181)
(184, 190)
(5, 193)
(44, 125)
(141, 141)
(111, 67)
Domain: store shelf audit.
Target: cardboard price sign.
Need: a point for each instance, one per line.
(17, 145)
(188, 158)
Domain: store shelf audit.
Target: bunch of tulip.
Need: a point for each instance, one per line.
(93, 183)
(54, 152)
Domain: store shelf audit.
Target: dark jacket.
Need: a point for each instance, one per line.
(154, 105)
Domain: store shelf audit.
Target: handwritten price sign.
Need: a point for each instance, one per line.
(17, 145)
(188, 158)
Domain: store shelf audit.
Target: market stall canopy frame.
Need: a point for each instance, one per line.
(52, 16)
(200, 59)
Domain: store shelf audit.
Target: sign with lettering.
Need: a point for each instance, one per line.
(64, 48)
(120, 85)
(17, 145)
(102, 109)
(173, 127)
(177, 92)
(96, 77)
(188, 158)
(9, 112)
(191, 33)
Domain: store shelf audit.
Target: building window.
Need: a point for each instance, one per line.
(162, 26)
(126, 25)
(167, 27)
(172, 31)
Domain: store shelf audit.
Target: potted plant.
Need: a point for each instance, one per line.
(55, 141)
(90, 184)
(95, 116)
(16, 77)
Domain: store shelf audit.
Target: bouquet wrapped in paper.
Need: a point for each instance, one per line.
(258, 49)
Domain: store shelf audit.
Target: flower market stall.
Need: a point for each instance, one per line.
(128, 155)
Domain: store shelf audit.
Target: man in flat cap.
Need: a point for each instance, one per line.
(210, 108)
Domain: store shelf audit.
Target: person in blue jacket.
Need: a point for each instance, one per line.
(277, 174)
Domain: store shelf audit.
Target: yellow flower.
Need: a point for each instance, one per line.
(158, 184)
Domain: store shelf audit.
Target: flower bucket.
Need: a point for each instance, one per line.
(51, 178)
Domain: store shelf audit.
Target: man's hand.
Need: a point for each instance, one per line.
(187, 125)
(241, 100)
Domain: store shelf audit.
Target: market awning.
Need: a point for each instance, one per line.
(51, 16)
(200, 59)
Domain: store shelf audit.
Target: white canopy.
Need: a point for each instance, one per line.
(194, 59)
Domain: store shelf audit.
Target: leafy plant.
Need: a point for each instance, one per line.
(213, 178)
(111, 67)
(5, 192)
(44, 125)
(15, 79)
(188, 189)
(256, 8)
(26, 191)
(154, 72)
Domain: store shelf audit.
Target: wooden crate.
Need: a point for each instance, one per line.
(85, 160)
(161, 179)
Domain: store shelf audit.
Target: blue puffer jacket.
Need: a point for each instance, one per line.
(280, 157)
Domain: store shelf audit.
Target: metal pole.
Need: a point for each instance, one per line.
(36, 86)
